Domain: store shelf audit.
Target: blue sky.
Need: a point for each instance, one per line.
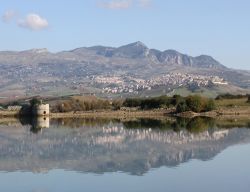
(220, 28)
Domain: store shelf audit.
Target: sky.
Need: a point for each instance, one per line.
(220, 28)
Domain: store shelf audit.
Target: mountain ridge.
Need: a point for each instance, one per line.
(140, 50)
(136, 50)
(129, 68)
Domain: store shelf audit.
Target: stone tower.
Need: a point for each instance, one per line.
(41, 110)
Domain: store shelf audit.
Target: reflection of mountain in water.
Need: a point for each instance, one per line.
(110, 147)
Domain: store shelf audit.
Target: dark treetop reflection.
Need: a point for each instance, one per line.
(99, 146)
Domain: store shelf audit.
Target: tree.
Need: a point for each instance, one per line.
(177, 99)
(195, 103)
(117, 104)
(182, 107)
(35, 101)
(200, 104)
(133, 102)
(210, 105)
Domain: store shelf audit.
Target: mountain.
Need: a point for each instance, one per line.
(132, 69)
(135, 50)
(138, 50)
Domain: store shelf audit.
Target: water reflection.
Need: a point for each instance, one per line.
(103, 145)
(36, 123)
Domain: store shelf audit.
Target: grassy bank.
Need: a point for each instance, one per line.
(191, 106)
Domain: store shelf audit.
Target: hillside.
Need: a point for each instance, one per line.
(133, 69)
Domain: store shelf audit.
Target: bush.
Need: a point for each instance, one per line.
(81, 105)
(35, 101)
(149, 103)
(196, 104)
(177, 99)
(132, 102)
(117, 104)
(230, 96)
(210, 106)
(182, 104)
(182, 107)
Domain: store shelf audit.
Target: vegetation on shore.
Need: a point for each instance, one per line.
(224, 104)
(177, 104)
(180, 104)
(78, 103)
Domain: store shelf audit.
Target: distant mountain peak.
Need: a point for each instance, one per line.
(139, 44)
(132, 50)
(171, 51)
(207, 61)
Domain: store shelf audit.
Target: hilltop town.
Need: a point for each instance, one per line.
(127, 84)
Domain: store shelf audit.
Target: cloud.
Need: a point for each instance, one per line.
(124, 4)
(8, 16)
(116, 4)
(33, 22)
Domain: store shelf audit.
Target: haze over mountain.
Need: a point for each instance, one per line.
(132, 68)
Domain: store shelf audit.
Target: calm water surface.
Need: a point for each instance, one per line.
(110, 155)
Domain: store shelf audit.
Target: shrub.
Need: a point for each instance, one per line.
(81, 105)
(177, 99)
(230, 96)
(117, 104)
(210, 105)
(35, 101)
(182, 107)
(149, 103)
(132, 102)
(195, 103)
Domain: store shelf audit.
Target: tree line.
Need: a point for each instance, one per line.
(182, 104)
(230, 96)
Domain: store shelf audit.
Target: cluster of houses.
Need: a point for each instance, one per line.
(121, 84)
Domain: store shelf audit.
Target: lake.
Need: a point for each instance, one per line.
(141, 155)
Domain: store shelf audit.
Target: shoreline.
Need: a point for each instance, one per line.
(222, 113)
(112, 114)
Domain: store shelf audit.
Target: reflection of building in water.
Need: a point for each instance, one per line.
(40, 122)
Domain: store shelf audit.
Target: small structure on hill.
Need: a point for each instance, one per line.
(41, 110)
